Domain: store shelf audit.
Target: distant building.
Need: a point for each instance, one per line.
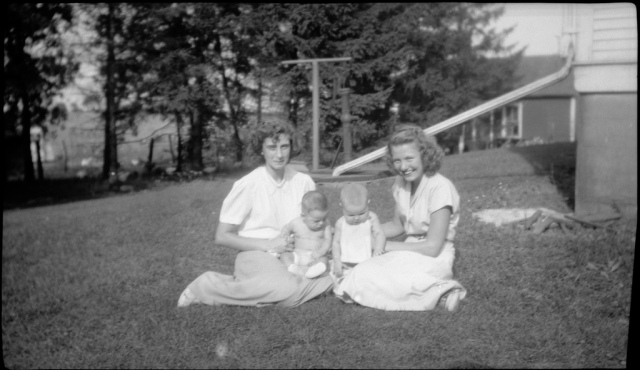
(545, 116)
(549, 113)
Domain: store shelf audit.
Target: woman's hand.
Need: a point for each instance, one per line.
(434, 242)
(279, 244)
(337, 268)
(227, 235)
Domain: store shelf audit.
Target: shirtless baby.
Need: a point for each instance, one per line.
(311, 236)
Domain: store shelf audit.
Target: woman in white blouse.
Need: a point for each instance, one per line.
(415, 274)
(251, 218)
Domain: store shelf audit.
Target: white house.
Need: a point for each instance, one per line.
(605, 39)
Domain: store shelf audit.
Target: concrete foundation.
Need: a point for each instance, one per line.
(607, 154)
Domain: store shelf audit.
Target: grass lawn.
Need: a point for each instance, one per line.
(94, 284)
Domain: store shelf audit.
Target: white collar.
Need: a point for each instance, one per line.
(406, 189)
(275, 183)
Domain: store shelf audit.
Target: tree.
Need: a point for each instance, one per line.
(361, 31)
(194, 63)
(431, 58)
(178, 78)
(291, 31)
(232, 53)
(36, 67)
(118, 51)
(447, 63)
(198, 62)
(120, 48)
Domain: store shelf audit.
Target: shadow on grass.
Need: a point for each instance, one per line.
(18, 194)
(558, 161)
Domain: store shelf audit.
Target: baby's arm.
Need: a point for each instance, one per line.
(287, 230)
(379, 239)
(326, 243)
(335, 249)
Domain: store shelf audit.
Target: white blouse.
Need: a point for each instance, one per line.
(261, 206)
(433, 193)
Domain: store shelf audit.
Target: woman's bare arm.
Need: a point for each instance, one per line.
(335, 249)
(393, 228)
(432, 245)
(227, 235)
(379, 239)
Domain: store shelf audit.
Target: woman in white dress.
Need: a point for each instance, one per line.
(415, 274)
(251, 218)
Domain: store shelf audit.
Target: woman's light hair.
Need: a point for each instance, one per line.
(430, 153)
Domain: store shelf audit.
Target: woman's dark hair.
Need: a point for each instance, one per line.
(268, 130)
(430, 153)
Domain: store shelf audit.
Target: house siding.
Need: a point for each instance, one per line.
(606, 77)
(615, 32)
(547, 118)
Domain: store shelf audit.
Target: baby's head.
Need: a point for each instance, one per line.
(354, 200)
(315, 208)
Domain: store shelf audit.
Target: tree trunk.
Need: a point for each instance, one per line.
(110, 156)
(39, 161)
(173, 154)
(259, 115)
(66, 157)
(5, 167)
(234, 117)
(195, 140)
(238, 143)
(179, 124)
(150, 157)
(29, 175)
(189, 148)
(233, 108)
(106, 153)
(293, 110)
(25, 122)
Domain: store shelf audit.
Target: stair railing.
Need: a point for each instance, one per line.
(471, 113)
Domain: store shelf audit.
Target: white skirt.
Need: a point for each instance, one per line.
(400, 281)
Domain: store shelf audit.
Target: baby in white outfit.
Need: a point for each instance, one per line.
(358, 235)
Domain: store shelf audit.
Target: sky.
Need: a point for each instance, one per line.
(538, 25)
